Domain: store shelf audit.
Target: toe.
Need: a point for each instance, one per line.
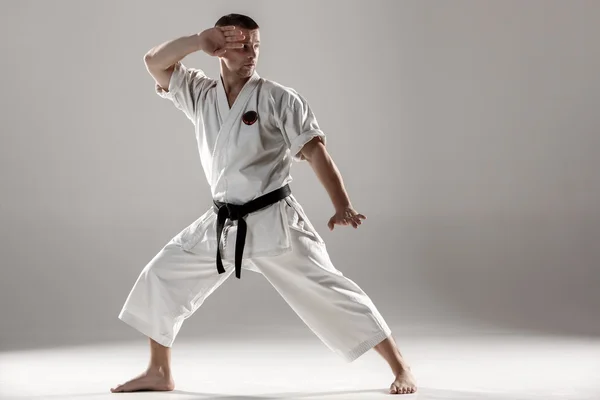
(393, 389)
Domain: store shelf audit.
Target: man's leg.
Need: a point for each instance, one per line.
(335, 308)
(171, 287)
(157, 376)
(405, 381)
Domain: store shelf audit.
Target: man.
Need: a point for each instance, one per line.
(249, 130)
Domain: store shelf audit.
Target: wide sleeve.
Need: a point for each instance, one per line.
(298, 124)
(185, 90)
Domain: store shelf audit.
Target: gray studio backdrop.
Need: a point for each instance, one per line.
(467, 131)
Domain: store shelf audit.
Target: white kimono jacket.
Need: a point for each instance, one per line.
(243, 161)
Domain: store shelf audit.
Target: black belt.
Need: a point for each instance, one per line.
(237, 212)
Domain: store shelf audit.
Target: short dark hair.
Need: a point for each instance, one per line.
(242, 21)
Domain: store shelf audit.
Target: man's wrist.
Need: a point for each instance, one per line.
(198, 41)
(340, 207)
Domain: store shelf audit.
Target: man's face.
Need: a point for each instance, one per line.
(243, 61)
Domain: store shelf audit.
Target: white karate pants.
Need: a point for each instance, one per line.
(175, 283)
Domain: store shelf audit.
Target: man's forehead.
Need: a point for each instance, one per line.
(251, 34)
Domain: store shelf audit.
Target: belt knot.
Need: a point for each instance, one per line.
(237, 212)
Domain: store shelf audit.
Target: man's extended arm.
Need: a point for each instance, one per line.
(322, 164)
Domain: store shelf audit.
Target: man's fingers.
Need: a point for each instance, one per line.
(226, 28)
(234, 45)
(235, 38)
(355, 221)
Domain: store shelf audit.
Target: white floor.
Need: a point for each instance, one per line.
(478, 368)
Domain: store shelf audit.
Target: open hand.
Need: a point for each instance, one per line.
(346, 216)
(216, 41)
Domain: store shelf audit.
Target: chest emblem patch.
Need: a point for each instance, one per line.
(250, 117)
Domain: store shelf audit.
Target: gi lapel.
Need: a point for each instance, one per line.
(230, 117)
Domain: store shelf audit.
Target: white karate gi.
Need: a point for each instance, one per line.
(242, 162)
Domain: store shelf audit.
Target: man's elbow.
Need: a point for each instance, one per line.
(153, 63)
(150, 61)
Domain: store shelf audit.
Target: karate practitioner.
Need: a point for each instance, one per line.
(249, 130)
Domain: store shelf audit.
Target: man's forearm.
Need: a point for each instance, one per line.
(329, 175)
(169, 53)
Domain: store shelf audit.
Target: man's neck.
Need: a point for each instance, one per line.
(232, 83)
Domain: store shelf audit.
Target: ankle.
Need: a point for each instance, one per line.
(400, 368)
(163, 370)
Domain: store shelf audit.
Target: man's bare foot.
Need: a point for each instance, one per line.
(153, 379)
(405, 383)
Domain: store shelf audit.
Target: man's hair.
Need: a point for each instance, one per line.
(238, 20)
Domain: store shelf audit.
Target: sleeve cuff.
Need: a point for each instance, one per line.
(175, 83)
(299, 142)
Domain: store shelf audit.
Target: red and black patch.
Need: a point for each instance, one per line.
(250, 117)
